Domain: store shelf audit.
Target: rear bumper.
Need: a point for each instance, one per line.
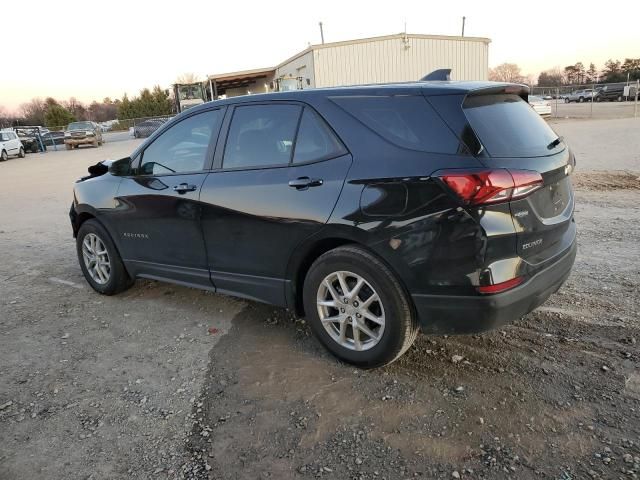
(440, 314)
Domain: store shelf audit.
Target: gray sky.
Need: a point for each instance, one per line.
(94, 49)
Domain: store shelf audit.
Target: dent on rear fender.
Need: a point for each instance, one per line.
(427, 239)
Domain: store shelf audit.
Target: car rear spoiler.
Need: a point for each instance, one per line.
(513, 88)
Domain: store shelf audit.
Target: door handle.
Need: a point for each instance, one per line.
(184, 188)
(302, 183)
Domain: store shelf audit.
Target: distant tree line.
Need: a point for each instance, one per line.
(53, 113)
(614, 71)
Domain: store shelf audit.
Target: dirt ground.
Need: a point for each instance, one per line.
(164, 381)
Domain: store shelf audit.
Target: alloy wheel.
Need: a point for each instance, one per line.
(350, 310)
(96, 258)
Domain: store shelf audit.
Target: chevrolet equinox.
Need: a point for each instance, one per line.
(375, 211)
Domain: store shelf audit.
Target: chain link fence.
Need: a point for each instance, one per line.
(53, 137)
(598, 100)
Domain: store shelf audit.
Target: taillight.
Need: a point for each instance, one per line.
(478, 187)
(501, 287)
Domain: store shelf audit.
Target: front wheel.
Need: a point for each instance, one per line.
(357, 308)
(566, 100)
(21, 152)
(99, 259)
(3, 156)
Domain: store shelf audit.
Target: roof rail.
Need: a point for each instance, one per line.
(440, 74)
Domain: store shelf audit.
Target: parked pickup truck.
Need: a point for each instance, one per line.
(82, 133)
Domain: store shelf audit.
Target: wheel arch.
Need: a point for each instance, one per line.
(301, 262)
(305, 255)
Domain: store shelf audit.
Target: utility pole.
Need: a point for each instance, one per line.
(463, 20)
(321, 33)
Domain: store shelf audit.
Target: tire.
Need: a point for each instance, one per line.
(117, 278)
(21, 153)
(581, 99)
(3, 156)
(95, 143)
(67, 146)
(399, 327)
(34, 149)
(619, 98)
(598, 99)
(566, 100)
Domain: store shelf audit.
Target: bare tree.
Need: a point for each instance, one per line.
(187, 78)
(507, 72)
(76, 108)
(33, 112)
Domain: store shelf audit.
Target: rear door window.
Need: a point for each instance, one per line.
(315, 141)
(406, 121)
(508, 127)
(261, 136)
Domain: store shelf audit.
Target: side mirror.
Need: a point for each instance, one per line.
(121, 167)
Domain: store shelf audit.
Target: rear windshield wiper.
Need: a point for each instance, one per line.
(555, 143)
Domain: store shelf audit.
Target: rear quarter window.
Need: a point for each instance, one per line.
(406, 121)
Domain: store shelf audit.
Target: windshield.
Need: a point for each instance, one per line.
(508, 127)
(80, 126)
(190, 92)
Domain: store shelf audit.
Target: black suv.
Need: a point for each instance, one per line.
(610, 92)
(376, 211)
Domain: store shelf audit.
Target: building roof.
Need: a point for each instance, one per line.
(256, 72)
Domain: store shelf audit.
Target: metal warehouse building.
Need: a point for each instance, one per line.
(392, 58)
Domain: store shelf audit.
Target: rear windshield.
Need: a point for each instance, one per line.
(508, 127)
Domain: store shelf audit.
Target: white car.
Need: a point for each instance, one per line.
(541, 106)
(10, 145)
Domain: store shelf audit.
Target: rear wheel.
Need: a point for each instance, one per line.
(566, 100)
(619, 98)
(358, 309)
(99, 259)
(581, 99)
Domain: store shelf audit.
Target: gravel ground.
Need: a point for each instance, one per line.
(169, 382)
